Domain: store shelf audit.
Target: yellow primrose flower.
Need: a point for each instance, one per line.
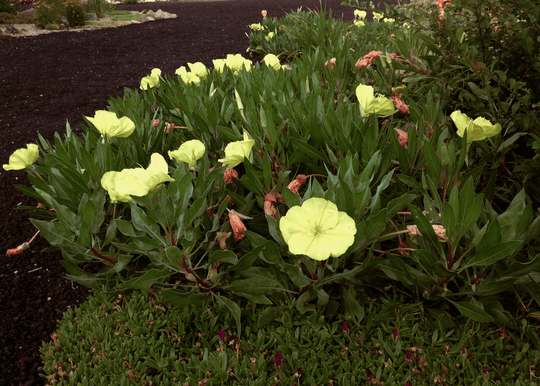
(317, 229)
(360, 14)
(151, 80)
(255, 26)
(22, 158)
(237, 63)
(136, 182)
(389, 20)
(359, 23)
(371, 105)
(188, 77)
(269, 36)
(377, 16)
(235, 152)
(107, 123)
(477, 130)
(189, 152)
(272, 60)
(198, 69)
(219, 64)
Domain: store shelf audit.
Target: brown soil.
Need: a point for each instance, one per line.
(51, 78)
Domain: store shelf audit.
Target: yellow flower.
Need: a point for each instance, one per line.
(377, 16)
(237, 63)
(360, 14)
(188, 77)
(317, 229)
(371, 105)
(389, 20)
(255, 26)
(272, 60)
(198, 69)
(136, 182)
(477, 130)
(151, 80)
(269, 36)
(219, 65)
(189, 152)
(235, 152)
(107, 123)
(22, 158)
(359, 23)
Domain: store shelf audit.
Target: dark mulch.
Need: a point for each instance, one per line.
(48, 79)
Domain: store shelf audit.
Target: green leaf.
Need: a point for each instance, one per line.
(493, 254)
(493, 287)
(296, 276)
(308, 150)
(398, 204)
(183, 299)
(351, 305)
(473, 312)
(145, 224)
(223, 256)
(147, 280)
(478, 92)
(233, 309)
(125, 227)
(267, 316)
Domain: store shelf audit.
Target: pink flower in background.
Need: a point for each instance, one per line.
(222, 335)
(332, 62)
(264, 13)
(345, 328)
(395, 333)
(229, 174)
(368, 58)
(279, 360)
(441, 4)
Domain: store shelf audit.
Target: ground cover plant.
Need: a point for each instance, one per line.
(386, 184)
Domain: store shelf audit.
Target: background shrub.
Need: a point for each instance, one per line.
(48, 12)
(75, 14)
(5, 6)
(99, 7)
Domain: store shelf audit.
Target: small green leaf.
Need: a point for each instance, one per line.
(472, 311)
(233, 309)
(493, 254)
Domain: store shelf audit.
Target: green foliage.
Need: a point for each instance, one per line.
(75, 14)
(49, 12)
(99, 7)
(7, 7)
(142, 338)
(130, 1)
(21, 18)
(436, 216)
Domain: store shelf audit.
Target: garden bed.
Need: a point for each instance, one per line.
(65, 76)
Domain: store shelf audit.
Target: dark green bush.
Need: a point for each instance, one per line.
(5, 6)
(75, 14)
(48, 12)
(99, 7)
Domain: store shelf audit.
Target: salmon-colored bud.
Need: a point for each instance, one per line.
(54, 336)
(402, 137)
(221, 238)
(229, 174)
(297, 183)
(264, 13)
(332, 62)
(17, 251)
(269, 209)
(237, 225)
(41, 206)
(270, 197)
(400, 105)
(156, 123)
(279, 197)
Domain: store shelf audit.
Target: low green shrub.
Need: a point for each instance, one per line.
(75, 13)
(100, 7)
(140, 338)
(7, 7)
(130, 1)
(48, 12)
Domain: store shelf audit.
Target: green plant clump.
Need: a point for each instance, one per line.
(49, 12)
(7, 7)
(100, 7)
(142, 339)
(344, 161)
(75, 14)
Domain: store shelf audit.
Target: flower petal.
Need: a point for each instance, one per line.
(22, 158)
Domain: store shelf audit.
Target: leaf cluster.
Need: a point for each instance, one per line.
(142, 338)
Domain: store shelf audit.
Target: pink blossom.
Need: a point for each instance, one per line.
(279, 360)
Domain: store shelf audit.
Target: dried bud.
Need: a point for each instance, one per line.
(229, 174)
(237, 225)
(403, 137)
(221, 238)
(400, 105)
(297, 183)
(269, 209)
(332, 62)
